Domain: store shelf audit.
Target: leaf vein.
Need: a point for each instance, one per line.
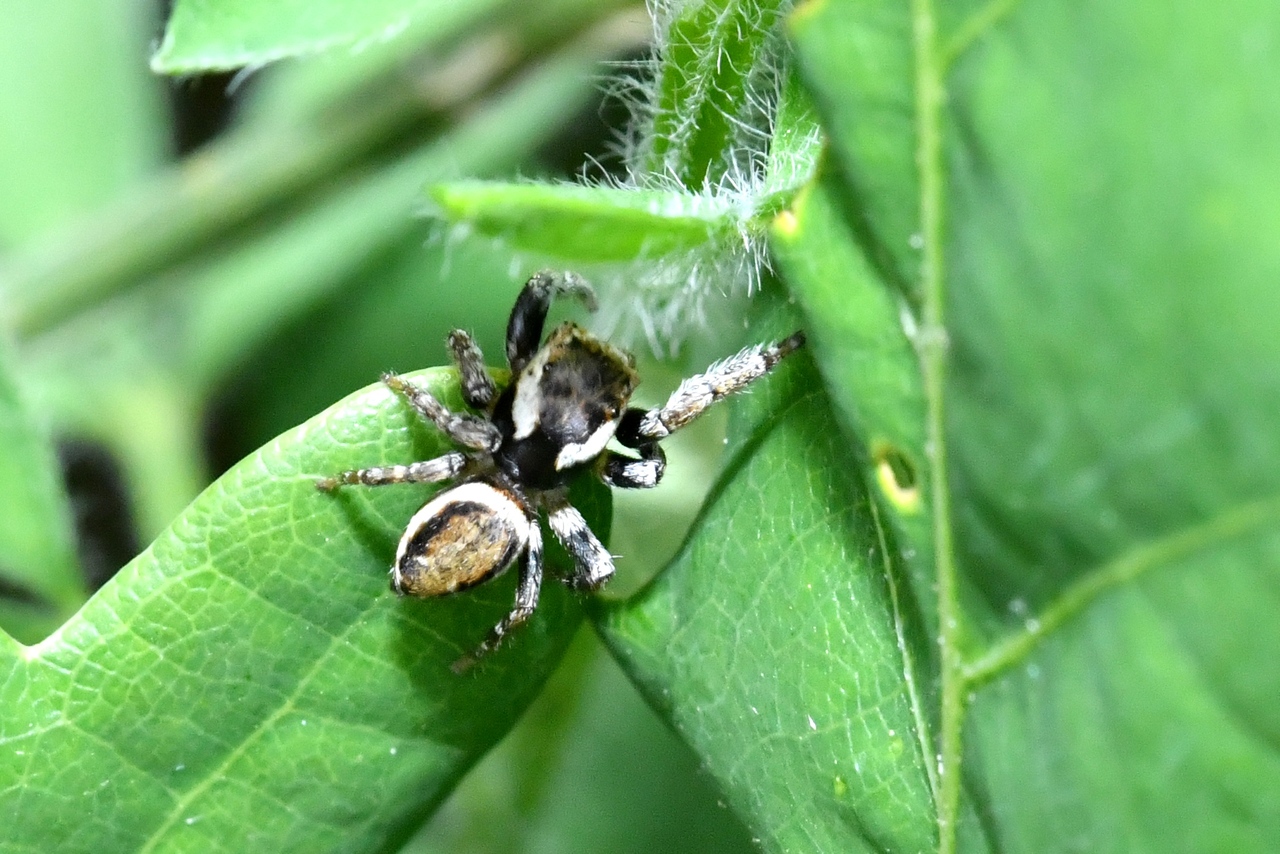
(974, 27)
(1234, 522)
(218, 773)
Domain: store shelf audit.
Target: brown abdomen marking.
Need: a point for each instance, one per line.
(461, 538)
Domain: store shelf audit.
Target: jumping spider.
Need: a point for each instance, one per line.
(567, 398)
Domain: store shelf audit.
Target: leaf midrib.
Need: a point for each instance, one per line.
(1236, 521)
(931, 344)
(960, 677)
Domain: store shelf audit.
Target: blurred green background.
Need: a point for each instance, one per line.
(193, 265)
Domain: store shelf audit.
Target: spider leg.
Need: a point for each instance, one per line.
(719, 381)
(477, 385)
(627, 472)
(593, 563)
(466, 430)
(428, 471)
(527, 588)
(524, 328)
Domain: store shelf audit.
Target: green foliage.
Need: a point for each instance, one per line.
(255, 644)
(590, 224)
(991, 565)
(36, 552)
(706, 646)
(234, 33)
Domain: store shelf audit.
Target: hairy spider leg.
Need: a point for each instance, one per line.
(528, 585)
(524, 328)
(697, 393)
(642, 430)
(429, 471)
(592, 562)
(466, 430)
(627, 472)
(477, 386)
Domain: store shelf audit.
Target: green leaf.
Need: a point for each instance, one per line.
(855, 328)
(1091, 309)
(996, 570)
(208, 35)
(588, 224)
(250, 681)
(772, 642)
(1114, 415)
(37, 555)
(82, 117)
(857, 61)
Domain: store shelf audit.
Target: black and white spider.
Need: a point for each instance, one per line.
(567, 398)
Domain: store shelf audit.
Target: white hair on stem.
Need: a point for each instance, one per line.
(659, 299)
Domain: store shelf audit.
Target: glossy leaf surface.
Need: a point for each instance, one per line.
(772, 640)
(251, 681)
(1074, 246)
(221, 34)
(1115, 395)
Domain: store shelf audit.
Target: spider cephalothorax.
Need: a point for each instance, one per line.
(567, 399)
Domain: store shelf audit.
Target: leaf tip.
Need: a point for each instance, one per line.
(161, 61)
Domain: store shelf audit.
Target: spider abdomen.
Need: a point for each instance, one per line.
(462, 537)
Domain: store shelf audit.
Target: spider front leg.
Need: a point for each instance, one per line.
(592, 561)
(446, 467)
(527, 588)
(627, 472)
(466, 430)
(722, 379)
(477, 386)
(524, 328)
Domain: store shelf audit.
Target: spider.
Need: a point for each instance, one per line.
(567, 398)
